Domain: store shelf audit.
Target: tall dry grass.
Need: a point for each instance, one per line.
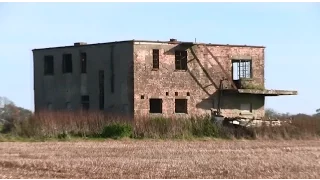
(200, 126)
(91, 124)
(53, 124)
(293, 127)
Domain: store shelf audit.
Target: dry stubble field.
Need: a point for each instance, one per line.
(161, 159)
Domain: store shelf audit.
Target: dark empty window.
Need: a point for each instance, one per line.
(68, 105)
(241, 69)
(101, 89)
(181, 60)
(181, 106)
(112, 83)
(155, 105)
(246, 107)
(112, 77)
(67, 63)
(48, 65)
(85, 102)
(49, 106)
(83, 57)
(155, 54)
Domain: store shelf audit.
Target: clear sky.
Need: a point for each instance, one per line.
(290, 31)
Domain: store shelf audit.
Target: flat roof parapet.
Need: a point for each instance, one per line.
(171, 41)
(79, 43)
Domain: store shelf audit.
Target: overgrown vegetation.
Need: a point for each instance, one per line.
(65, 125)
(117, 130)
(247, 84)
(160, 127)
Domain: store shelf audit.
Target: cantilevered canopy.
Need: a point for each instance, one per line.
(265, 92)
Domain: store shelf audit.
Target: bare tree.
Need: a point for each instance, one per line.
(10, 113)
(4, 113)
(271, 113)
(317, 113)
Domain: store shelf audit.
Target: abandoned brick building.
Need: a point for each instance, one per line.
(138, 77)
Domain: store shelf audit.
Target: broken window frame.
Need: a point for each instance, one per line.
(155, 59)
(67, 63)
(155, 108)
(177, 105)
(243, 69)
(181, 60)
(48, 65)
(83, 59)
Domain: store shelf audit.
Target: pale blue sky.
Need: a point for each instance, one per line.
(290, 31)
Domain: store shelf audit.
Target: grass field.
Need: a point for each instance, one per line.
(161, 159)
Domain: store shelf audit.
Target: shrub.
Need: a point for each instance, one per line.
(156, 127)
(203, 127)
(6, 127)
(27, 128)
(117, 130)
(64, 136)
(162, 127)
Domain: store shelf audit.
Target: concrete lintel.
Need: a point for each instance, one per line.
(241, 57)
(182, 97)
(155, 97)
(267, 92)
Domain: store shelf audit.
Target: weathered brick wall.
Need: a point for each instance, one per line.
(201, 80)
(230, 104)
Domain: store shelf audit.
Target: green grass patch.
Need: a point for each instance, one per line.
(117, 130)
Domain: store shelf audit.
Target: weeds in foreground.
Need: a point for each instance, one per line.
(64, 125)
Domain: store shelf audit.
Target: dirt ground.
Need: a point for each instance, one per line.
(161, 159)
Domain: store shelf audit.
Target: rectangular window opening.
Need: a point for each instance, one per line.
(48, 65)
(155, 105)
(67, 63)
(112, 83)
(181, 106)
(181, 60)
(241, 69)
(85, 102)
(155, 55)
(68, 105)
(101, 90)
(247, 107)
(112, 74)
(83, 57)
(49, 106)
